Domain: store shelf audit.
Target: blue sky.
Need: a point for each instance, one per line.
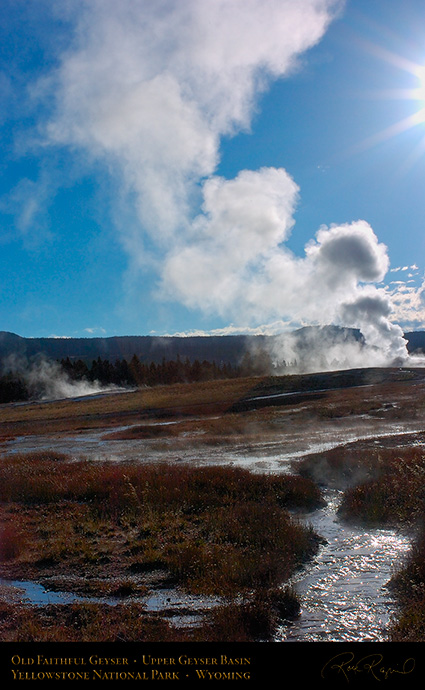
(167, 170)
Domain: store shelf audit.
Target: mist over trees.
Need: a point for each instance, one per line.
(31, 368)
(137, 373)
(18, 386)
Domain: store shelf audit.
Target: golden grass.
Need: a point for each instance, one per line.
(120, 408)
(216, 530)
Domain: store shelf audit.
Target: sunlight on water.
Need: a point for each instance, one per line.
(343, 592)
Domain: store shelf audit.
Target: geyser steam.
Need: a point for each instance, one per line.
(46, 380)
(149, 89)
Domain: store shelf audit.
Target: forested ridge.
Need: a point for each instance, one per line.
(159, 360)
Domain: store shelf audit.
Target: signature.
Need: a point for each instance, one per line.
(372, 665)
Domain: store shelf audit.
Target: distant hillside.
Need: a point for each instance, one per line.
(220, 349)
(416, 341)
(228, 349)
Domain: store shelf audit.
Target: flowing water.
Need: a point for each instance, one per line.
(343, 592)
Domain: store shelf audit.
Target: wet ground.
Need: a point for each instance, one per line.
(271, 452)
(181, 608)
(343, 591)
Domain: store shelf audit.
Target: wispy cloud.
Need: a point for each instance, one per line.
(28, 204)
(274, 328)
(409, 304)
(150, 88)
(95, 330)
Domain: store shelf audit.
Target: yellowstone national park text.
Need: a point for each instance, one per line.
(145, 667)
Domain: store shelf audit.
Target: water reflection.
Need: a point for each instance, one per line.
(181, 607)
(343, 592)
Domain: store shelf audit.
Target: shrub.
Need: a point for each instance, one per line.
(12, 542)
(216, 530)
(396, 495)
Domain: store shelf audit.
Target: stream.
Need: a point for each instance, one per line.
(343, 592)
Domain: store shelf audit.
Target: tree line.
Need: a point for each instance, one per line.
(16, 387)
(138, 373)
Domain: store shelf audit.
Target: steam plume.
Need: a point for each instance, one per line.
(46, 380)
(150, 89)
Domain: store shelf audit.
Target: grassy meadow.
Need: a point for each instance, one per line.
(127, 529)
(118, 529)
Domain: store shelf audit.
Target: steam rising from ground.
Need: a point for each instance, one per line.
(149, 89)
(325, 349)
(46, 380)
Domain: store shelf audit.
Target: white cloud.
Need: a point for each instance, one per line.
(94, 330)
(409, 305)
(243, 269)
(27, 203)
(149, 90)
(274, 328)
(242, 220)
(352, 250)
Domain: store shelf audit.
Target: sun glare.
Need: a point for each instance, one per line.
(419, 92)
(416, 93)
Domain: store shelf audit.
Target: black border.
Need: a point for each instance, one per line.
(327, 664)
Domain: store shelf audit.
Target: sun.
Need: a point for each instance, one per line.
(415, 93)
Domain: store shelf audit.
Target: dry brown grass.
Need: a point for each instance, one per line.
(208, 398)
(214, 530)
(408, 585)
(395, 492)
(83, 622)
(199, 398)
